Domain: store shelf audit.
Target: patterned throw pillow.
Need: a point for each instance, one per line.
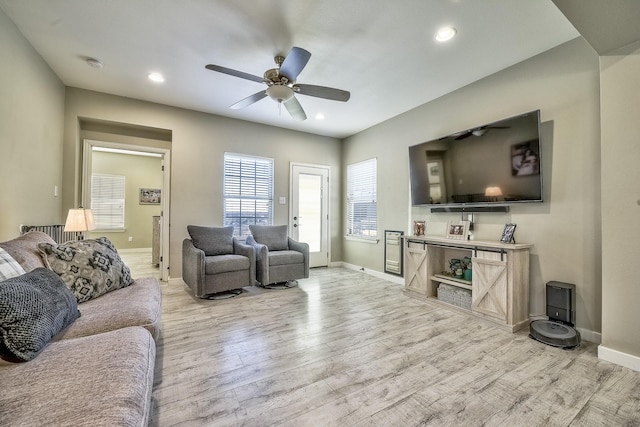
(34, 307)
(9, 267)
(89, 268)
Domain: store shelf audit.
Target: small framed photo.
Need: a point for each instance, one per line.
(507, 233)
(457, 230)
(149, 196)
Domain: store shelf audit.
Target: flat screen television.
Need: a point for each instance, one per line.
(493, 164)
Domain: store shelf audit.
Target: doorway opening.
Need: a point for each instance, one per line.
(136, 216)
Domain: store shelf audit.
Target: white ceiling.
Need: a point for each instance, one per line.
(382, 51)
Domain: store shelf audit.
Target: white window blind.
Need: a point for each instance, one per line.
(362, 211)
(248, 192)
(107, 201)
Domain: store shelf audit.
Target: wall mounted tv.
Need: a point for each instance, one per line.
(487, 166)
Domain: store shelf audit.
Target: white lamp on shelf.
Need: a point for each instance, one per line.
(80, 220)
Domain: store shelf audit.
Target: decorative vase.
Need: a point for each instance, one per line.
(418, 228)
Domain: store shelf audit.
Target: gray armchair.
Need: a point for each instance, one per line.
(279, 258)
(214, 261)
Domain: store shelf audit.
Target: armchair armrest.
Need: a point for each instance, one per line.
(304, 248)
(193, 267)
(262, 260)
(249, 251)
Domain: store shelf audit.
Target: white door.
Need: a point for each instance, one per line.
(309, 220)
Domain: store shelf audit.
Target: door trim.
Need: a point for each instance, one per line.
(87, 148)
(327, 197)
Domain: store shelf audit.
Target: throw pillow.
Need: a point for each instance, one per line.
(212, 240)
(274, 236)
(9, 267)
(24, 249)
(89, 268)
(34, 307)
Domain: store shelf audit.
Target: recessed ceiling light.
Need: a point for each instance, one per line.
(156, 77)
(445, 33)
(319, 116)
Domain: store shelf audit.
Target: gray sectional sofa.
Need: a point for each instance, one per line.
(98, 370)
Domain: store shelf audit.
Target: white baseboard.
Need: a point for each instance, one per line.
(589, 335)
(390, 277)
(619, 358)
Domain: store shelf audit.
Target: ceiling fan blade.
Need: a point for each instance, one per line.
(323, 92)
(234, 73)
(295, 109)
(294, 63)
(249, 100)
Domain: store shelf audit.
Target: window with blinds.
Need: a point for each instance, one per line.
(362, 210)
(107, 201)
(248, 192)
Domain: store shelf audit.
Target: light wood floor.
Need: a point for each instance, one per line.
(347, 349)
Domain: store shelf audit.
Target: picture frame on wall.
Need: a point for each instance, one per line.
(507, 233)
(457, 230)
(150, 196)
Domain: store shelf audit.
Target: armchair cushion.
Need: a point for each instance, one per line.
(274, 237)
(225, 263)
(285, 258)
(212, 240)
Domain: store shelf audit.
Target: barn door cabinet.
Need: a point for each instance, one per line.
(499, 287)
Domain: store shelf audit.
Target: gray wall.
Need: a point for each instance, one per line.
(31, 120)
(565, 230)
(198, 144)
(620, 200)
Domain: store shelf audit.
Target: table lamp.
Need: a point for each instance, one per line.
(80, 220)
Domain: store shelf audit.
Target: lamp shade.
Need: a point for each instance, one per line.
(80, 220)
(493, 191)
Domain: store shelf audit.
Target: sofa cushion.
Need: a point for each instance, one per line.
(212, 240)
(9, 267)
(285, 258)
(24, 249)
(90, 268)
(275, 237)
(139, 304)
(99, 380)
(33, 308)
(225, 263)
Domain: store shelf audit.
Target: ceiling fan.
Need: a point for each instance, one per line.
(281, 84)
(479, 131)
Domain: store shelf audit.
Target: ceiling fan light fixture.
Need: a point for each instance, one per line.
(445, 33)
(280, 93)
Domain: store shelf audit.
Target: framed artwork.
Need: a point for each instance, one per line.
(525, 159)
(149, 196)
(457, 230)
(507, 233)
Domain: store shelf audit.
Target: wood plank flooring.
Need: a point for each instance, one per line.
(348, 349)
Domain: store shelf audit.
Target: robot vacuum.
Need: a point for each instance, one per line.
(558, 331)
(554, 333)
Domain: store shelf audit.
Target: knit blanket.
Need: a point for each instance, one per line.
(34, 307)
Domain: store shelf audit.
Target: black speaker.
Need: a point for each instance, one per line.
(561, 302)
